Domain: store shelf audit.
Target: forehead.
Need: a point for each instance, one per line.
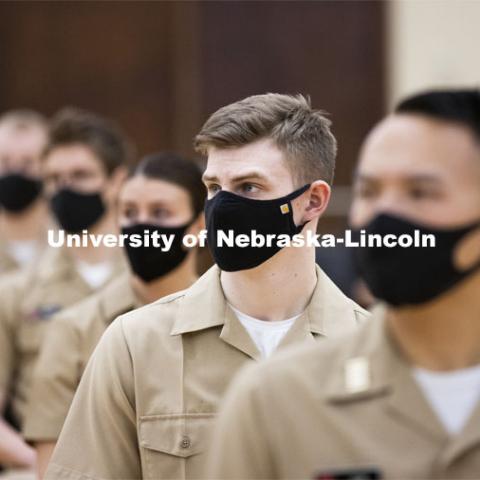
(72, 156)
(31, 137)
(262, 155)
(405, 145)
(140, 188)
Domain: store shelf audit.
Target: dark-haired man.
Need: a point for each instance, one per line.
(151, 390)
(165, 194)
(23, 210)
(84, 167)
(400, 398)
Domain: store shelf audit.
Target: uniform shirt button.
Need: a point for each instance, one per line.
(185, 443)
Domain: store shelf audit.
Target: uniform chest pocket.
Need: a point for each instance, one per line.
(171, 444)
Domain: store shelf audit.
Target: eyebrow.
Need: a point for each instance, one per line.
(410, 178)
(239, 178)
(209, 178)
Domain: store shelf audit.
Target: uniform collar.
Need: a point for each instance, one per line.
(57, 264)
(372, 366)
(7, 262)
(203, 305)
(379, 371)
(329, 313)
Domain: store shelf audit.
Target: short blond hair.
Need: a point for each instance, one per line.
(297, 129)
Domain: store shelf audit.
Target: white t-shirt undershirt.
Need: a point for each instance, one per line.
(266, 335)
(452, 395)
(95, 274)
(23, 251)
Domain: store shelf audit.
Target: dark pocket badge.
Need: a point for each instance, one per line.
(44, 312)
(350, 474)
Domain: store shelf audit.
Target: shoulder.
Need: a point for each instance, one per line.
(14, 287)
(16, 279)
(157, 317)
(77, 318)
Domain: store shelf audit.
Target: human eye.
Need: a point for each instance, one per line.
(129, 212)
(248, 188)
(159, 213)
(213, 188)
(423, 193)
(364, 190)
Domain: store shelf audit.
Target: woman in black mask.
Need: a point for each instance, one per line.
(165, 195)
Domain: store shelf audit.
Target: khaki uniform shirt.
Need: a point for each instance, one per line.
(72, 337)
(28, 300)
(153, 385)
(338, 407)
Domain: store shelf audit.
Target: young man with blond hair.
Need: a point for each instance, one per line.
(151, 390)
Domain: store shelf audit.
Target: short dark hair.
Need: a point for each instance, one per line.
(106, 140)
(458, 106)
(173, 168)
(297, 129)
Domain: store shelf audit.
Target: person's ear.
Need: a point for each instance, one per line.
(114, 184)
(317, 198)
(467, 252)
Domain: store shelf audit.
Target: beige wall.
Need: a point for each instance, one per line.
(432, 43)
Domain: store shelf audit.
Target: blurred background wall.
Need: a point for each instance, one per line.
(432, 43)
(160, 68)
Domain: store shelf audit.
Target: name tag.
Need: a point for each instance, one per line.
(44, 312)
(350, 474)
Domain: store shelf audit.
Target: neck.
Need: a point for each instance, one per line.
(278, 289)
(27, 225)
(92, 254)
(443, 334)
(179, 279)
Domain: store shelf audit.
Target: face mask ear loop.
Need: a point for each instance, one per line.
(293, 196)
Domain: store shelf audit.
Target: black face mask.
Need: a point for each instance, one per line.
(150, 263)
(227, 211)
(414, 275)
(17, 191)
(77, 211)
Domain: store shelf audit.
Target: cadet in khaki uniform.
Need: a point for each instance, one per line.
(164, 194)
(24, 213)
(400, 398)
(151, 390)
(84, 157)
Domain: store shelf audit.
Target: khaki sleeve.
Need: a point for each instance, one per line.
(55, 381)
(7, 355)
(99, 437)
(239, 449)
(9, 300)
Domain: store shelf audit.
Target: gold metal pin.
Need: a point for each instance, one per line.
(284, 208)
(357, 374)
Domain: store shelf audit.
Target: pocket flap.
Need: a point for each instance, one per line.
(181, 435)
